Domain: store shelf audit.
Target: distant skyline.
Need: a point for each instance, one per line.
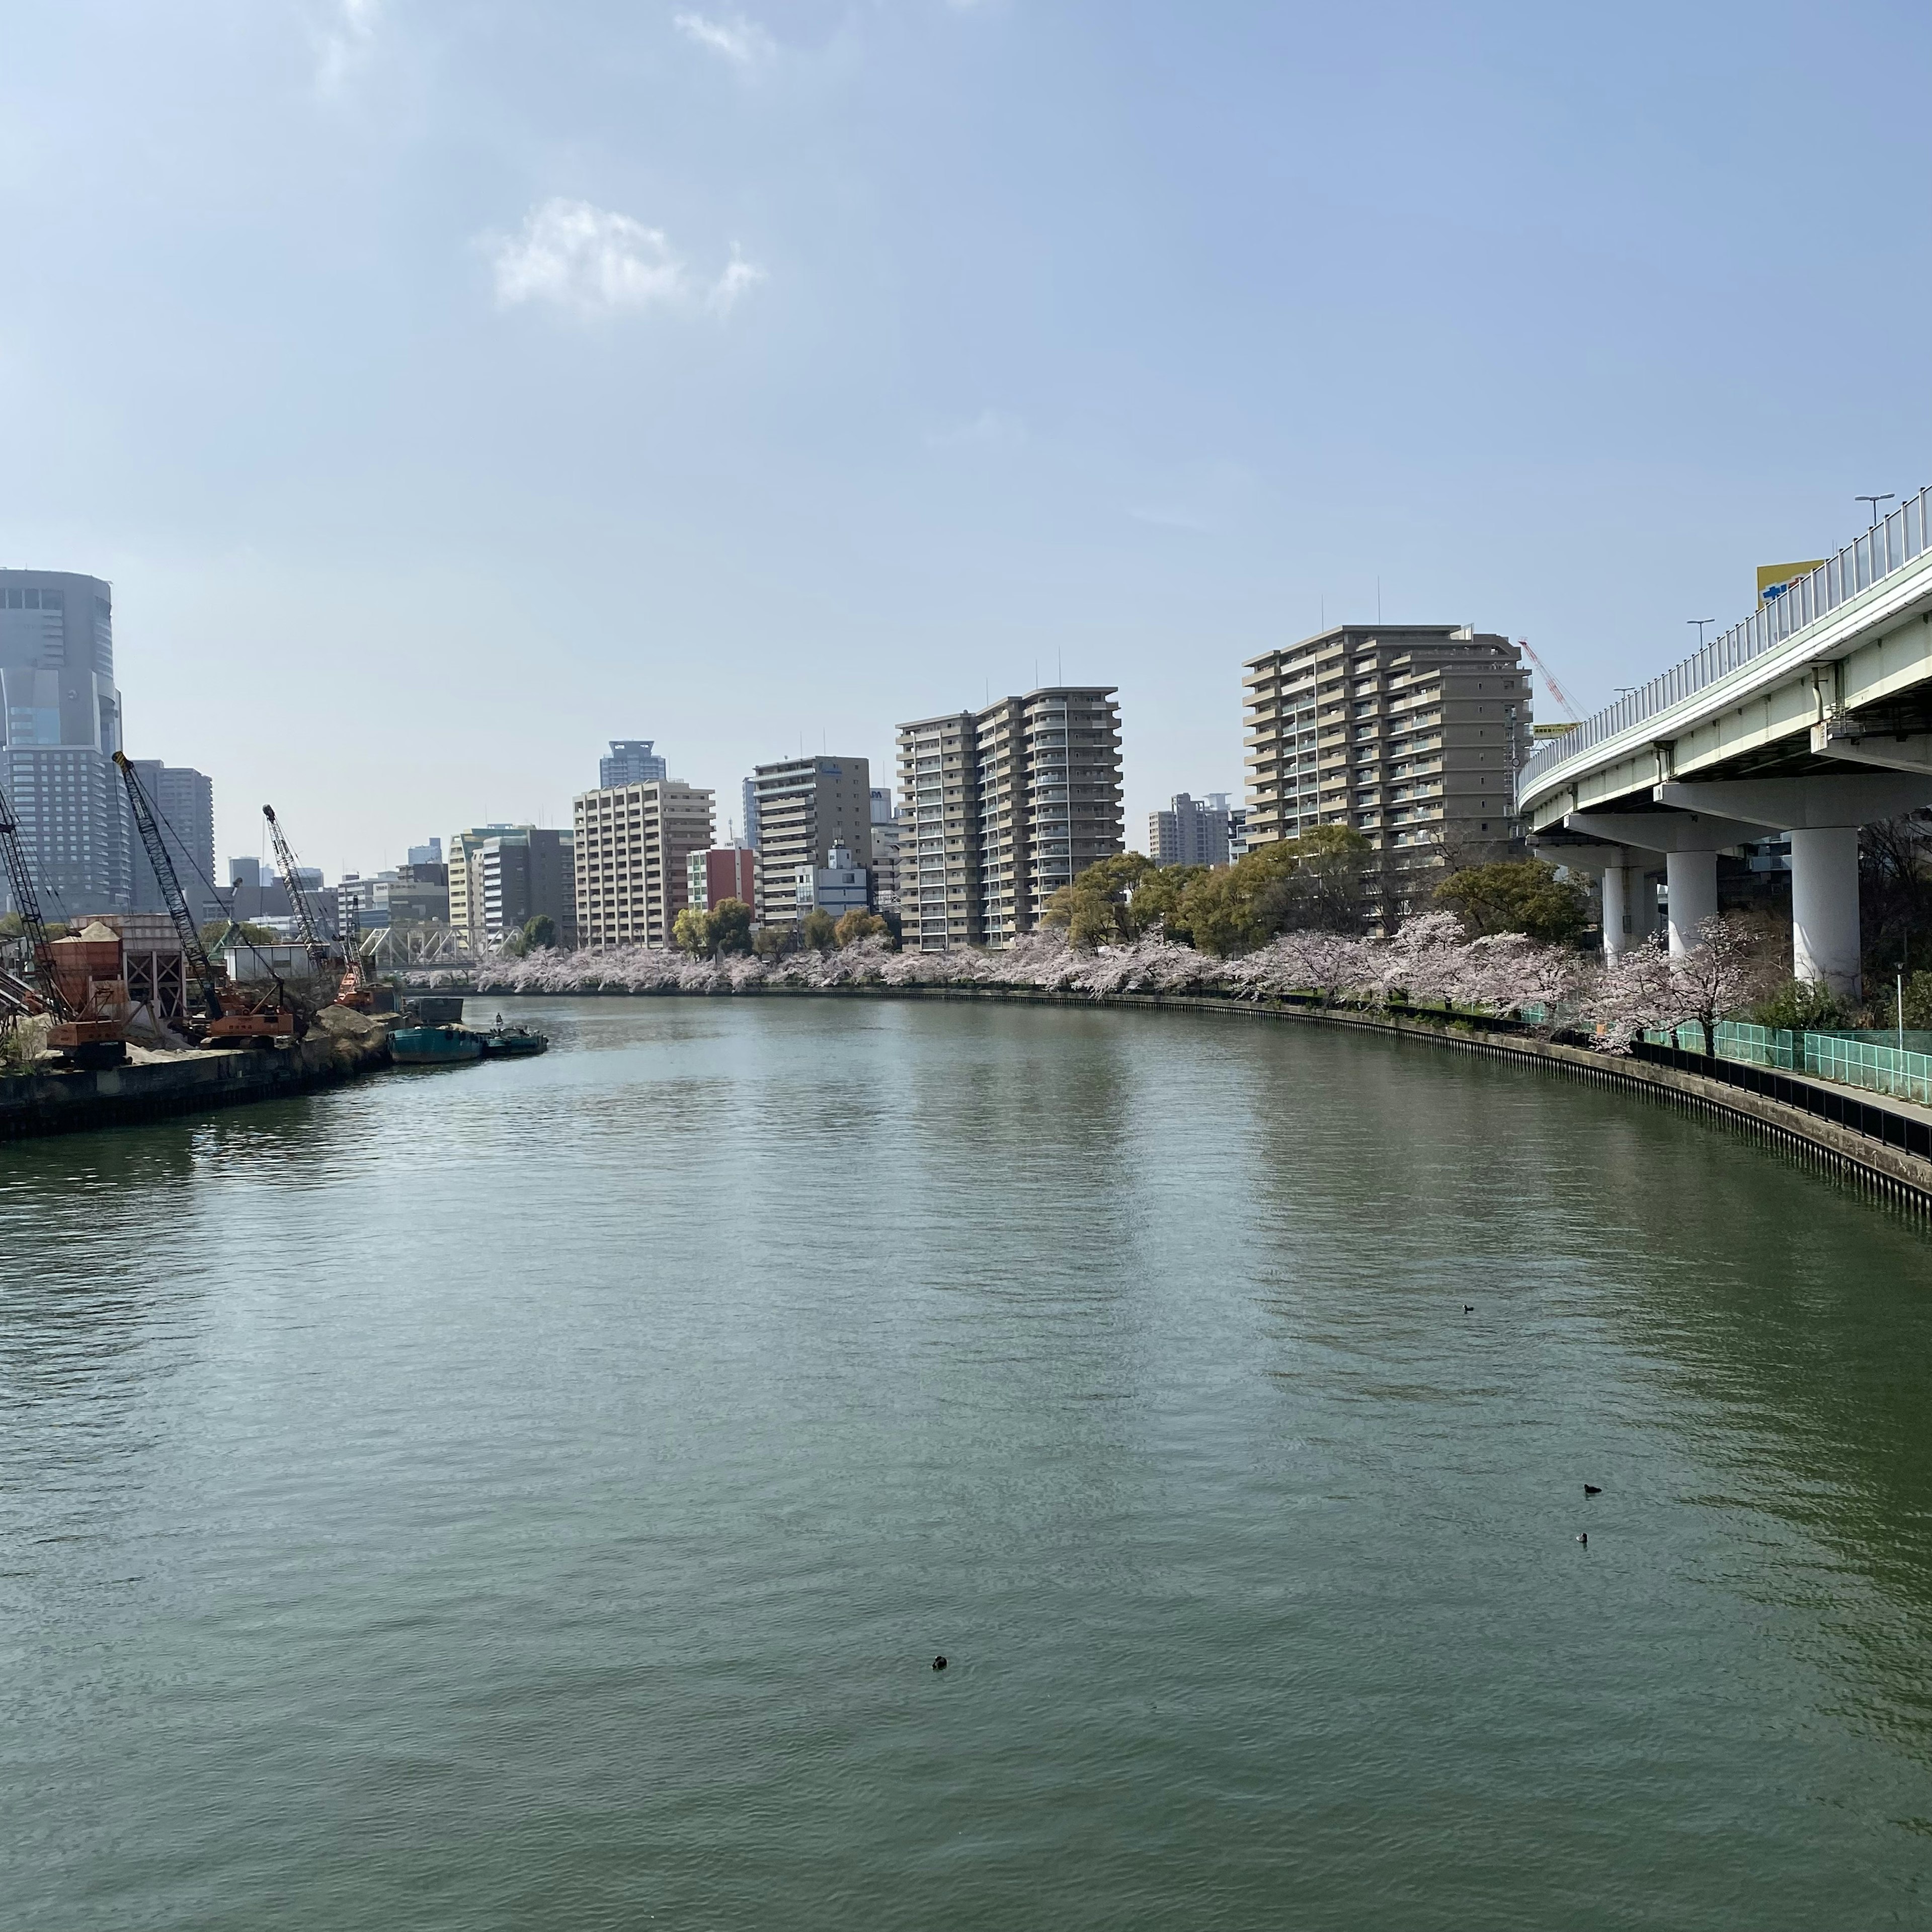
(449, 389)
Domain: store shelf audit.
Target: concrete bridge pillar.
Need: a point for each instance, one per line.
(1630, 905)
(1825, 945)
(1692, 878)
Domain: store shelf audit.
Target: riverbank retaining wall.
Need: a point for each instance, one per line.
(155, 1087)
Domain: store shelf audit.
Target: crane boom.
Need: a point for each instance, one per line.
(312, 942)
(27, 904)
(142, 808)
(1556, 690)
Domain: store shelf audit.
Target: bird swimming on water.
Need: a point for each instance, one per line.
(939, 1663)
(1593, 1488)
(1468, 1308)
(1583, 1536)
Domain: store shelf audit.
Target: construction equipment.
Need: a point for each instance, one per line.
(228, 1013)
(352, 987)
(1555, 689)
(88, 1012)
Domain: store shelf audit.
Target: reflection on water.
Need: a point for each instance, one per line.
(533, 1494)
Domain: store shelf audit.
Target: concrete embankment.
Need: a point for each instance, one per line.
(153, 1086)
(1886, 1150)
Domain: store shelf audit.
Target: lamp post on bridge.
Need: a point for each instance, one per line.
(1700, 622)
(1875, 502)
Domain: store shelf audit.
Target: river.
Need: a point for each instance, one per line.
(533, 1495)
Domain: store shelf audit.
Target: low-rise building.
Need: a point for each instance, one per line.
(839, 886)
(633, 844)
(719, 873)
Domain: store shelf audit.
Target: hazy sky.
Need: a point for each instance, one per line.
(450, 385)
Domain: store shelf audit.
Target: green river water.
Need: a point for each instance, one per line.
(531, 1496)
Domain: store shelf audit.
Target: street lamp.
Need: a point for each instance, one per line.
(1875, 502)
(1700, 622)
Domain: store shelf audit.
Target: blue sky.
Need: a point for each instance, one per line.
(450, 385)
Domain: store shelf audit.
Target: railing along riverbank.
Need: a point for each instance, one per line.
(1882, 1152)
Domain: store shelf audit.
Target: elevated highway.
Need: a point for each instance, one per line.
(1813, 717)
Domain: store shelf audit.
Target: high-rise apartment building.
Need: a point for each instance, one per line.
(721, 873)
(999, 807)
(805, 806)
(60, 726)
(748, 804)
(1190, 832)
(631, 761)
(885, 851)
(1411, 734)
(634, 847)
(183, 801)
(526, 873)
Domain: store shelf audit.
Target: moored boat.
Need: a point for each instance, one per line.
(435, 1046)
(515, 1042)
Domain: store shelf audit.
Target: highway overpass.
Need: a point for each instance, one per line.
(1812, 717)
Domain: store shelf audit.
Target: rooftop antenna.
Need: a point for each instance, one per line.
(1875, 502)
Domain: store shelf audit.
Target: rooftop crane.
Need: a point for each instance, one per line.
(227, 1012)
(1556, 690)
(80, 1033)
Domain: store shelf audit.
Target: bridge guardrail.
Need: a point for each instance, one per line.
(1884, 549)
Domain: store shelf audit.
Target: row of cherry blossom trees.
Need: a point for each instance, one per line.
(1430, 962)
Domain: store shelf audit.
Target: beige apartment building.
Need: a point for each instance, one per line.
(1411, 734)
(805, 806)
(1001, 807)
(466, 878)
(634, 843)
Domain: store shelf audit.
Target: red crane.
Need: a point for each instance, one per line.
(1556, 690)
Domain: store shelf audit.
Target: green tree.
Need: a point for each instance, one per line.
(818, 930)
(731, 926)
(692, 930)
(1518, 895)
(1310, 884)
(856, 924)
(1096, 909)
(1802, 1005)
(540, 932)
(769, 941)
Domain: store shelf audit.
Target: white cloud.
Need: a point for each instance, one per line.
(990, 429)
(741, 41)
(596, 262)
(738, 276)
(347, 33)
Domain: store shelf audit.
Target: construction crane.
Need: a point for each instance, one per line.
(81, 1034)
(352, 989)
(227, 1012)
(1556, 690)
